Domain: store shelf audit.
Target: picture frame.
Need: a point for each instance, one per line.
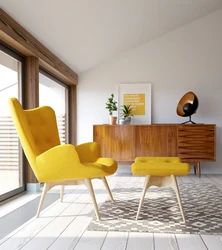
(138, 96)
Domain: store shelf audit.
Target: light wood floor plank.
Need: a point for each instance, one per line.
(220, 176)
(216, 178)
(186, 179)
(141, 241)
(165, 241)
(126, 178)
(72, 233)
(115, 241)
(190, 242)
(91, 240)
(179, 180)
(213, 242)
(208, 179)
(48, 235)
(23, 236)
(196, 179)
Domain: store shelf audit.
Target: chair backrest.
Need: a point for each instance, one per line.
(37, 130)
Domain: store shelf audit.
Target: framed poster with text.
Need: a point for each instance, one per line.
(138, 96)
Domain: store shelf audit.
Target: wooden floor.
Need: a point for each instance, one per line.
(63, 225)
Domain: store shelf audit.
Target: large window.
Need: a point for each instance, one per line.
(54, 93)
(11, 166)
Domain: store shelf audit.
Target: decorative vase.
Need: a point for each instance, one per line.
(112, 120)
(126, 120)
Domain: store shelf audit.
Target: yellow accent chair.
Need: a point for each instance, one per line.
(160, 172)
(53, 163)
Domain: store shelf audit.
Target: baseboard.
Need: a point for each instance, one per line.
(33, 187)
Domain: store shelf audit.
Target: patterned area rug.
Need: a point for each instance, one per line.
(160, 213)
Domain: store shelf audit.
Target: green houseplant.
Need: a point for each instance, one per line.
(111, 105)
(126, 113)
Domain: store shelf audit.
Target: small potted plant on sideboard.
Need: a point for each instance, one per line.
(111, 105)
(126, 113)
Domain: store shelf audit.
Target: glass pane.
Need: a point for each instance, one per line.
(10, 154)
(58, 101)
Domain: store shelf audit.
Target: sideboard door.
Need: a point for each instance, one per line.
(120, 142)
(98, 136)
(156, 140)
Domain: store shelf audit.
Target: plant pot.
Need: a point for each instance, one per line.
(126, 120)
(112, 120)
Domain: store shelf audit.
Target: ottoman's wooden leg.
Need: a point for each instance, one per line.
(174, 185)
(146, 183)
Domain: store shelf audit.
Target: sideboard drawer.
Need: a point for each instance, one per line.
(196, 142)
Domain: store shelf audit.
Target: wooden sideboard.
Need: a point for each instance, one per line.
(193, 143)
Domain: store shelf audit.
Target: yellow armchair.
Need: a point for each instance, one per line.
(53, 163)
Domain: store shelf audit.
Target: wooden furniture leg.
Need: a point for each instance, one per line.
(107, 188)
(199, 170)
(88, 184)
(145, 187)
(161, 181)
(174, 185)
(44, 192)
(195, 168)
(62, 192)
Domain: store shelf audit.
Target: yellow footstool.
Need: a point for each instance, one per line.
(160, 172)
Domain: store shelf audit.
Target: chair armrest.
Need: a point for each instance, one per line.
(88, 152)
(57, 163)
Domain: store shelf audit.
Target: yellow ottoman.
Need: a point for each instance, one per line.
(160, 172)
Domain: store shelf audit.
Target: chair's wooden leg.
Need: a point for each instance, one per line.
(62, 192)
(107, 188)
(174, 185)
(146, 183)
(91, 192)
(44, 192)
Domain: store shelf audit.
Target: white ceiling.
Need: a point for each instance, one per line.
(85, 33)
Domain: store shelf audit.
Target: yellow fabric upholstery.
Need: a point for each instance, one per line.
(88, 152)
(64, 162)
(50, 161)
(53, 163)
(160, 166)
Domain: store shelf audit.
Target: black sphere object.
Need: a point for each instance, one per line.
(187, 106)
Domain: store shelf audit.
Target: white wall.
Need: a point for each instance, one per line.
(187, 59)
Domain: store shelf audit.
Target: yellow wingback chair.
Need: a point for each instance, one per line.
(53, 163)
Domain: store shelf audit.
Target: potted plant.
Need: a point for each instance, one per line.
(126, 113)
(111, 105)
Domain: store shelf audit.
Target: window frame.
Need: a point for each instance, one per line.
(16, 55)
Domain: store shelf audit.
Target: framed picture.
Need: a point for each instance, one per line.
(138, 96)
